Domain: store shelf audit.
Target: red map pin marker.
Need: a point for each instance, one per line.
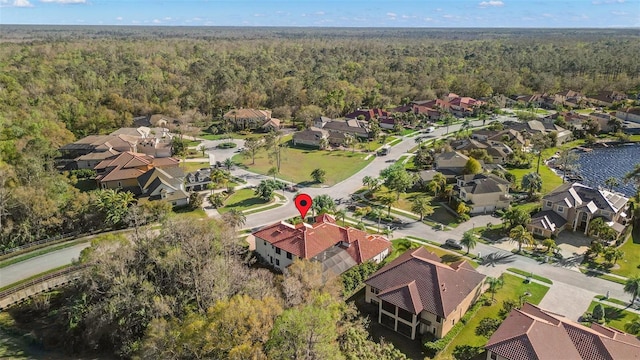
(303, 204)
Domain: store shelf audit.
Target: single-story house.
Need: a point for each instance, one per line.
(417, 294)
(247, 118)
(312, 136)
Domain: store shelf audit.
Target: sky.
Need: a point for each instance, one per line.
(327, 13)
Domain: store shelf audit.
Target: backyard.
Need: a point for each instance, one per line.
(550, 180)
(298, 163)
(402, 245)
(514, 288)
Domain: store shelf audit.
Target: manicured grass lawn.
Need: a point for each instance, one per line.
(528, 207)
(614, 317)
(402, 245)
(243, 199)
(513, 288)
(630, 264)
(440, 214)
(298, 163)
(187, 213)
(550, 180)
(193, 166)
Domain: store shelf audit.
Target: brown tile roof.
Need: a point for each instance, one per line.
(306, 241)
(440, 288)
(239, 114)
(129, 165)
(534, 333)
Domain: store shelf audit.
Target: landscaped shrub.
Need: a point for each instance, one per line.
(487, 327)
(507, 306)
(467, 352)
(433, 347)
(598, 314)
(227, 145)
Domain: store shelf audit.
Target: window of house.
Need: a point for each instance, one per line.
(549, 204)
(561, 209)
(453, 321)
(264, 242)
(388, 307)
(277, 262)
(289, 255)
(119, 184)
(278, 251)
(405, 315)
(438, 319)
(374, 290)
(494, 356)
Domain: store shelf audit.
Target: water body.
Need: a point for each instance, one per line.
(602, 163)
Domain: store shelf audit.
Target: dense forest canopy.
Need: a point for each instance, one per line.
(62, 83)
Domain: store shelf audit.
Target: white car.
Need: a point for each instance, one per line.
(430, 129)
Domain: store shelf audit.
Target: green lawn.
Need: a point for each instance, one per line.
(440, 214)
(614, 317)
(513, 288)
(187, 213)
(550, 180)
(630, 264)
(402, 245)
(242, 200)
(193, 166)
(298, 163)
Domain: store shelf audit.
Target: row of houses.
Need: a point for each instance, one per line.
(571, 99)
(417, 294)
(414, 294)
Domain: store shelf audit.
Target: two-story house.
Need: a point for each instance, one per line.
(483, 193)
(573, 205)
(198, 180)
(532, 333)
(337, 248)
(416, 293)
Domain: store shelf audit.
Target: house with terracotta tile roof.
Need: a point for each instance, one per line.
(531, 333)
(123, 170)
(417, 294)
(336, 247)
(248, 118)
(573, 205)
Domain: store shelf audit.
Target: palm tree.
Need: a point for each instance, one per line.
(521, 236)
(549, 243)
(494, 285)
(340, 214)
(633, 327)
(531, 182)
(437, 183)
(469, 240)
(228, 163)
(376, 213)
(632, 286)
(273, 171)
(319, 175)
(387, 200)
(611, 183)
(235, 218)
(422, 205)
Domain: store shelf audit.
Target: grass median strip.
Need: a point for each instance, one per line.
(603, 276)
(531, 275)
(36, 253)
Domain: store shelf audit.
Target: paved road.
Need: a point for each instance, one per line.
(40, 264)
(568, 295)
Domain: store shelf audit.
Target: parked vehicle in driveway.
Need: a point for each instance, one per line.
(454, 244)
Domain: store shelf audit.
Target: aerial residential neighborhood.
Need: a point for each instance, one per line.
(285, 193)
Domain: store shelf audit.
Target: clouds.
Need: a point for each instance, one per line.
(64, 1)
(492, 3)
(15, 3)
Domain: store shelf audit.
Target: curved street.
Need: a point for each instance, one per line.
(570, 294)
